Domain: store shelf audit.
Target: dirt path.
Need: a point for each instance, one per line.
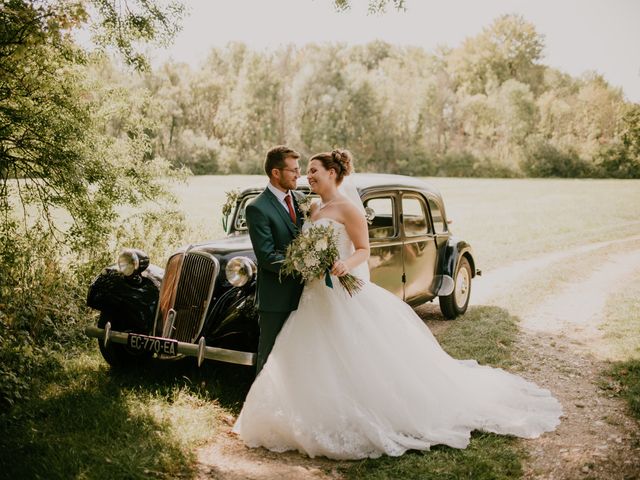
(565, 351)
(596, 439)
(228, 459)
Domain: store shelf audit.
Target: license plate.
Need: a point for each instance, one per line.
(152, 344)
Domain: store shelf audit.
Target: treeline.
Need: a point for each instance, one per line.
(486, 108)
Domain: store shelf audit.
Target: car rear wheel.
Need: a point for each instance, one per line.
(118, 355)
(456, 304)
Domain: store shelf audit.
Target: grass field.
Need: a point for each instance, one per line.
(504, 219)
(84, 421)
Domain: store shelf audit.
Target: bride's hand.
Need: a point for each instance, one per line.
(339, 268)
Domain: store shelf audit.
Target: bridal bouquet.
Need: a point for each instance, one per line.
(312, 254)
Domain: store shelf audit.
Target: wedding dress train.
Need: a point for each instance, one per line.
(356, 377)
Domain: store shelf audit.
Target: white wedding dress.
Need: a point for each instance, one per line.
(356, 377)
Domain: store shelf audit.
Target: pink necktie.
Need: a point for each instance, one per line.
(292, 212)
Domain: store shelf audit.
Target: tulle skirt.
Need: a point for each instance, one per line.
(362, 376)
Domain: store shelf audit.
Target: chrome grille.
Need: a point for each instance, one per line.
(184, 317)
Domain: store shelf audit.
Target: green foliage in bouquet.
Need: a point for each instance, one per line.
(312, 254)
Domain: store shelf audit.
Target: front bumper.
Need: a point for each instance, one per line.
(198, 350)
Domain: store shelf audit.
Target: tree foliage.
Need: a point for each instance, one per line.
(53, 149)
(72, 149)
(509, 49)
(489, 105)
(374, 6)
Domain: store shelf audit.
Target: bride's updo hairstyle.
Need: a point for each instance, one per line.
(340, 161)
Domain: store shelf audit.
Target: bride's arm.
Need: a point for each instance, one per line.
(358, 232)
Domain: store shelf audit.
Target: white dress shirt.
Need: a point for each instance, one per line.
(280, 196)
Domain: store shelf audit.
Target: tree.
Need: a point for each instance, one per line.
(336, 103)
(621, 159)
(127, 25)
(53, 153)
(508, 49)
(63, 170)
(630, 133)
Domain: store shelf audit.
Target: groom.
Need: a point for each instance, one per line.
(274, 220)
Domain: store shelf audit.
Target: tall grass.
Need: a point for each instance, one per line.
(503, 219)
(510, 219)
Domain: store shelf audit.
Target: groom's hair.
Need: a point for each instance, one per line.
(276, 157)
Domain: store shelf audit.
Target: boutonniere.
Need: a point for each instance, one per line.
(227, 207)
(304, 205)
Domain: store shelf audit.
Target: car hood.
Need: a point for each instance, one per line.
(222, 246)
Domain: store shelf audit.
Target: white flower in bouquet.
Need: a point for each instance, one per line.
(310, 261)
(304, 242)
(321, 244)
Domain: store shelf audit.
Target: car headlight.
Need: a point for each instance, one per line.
(240, 270)
(132, 261)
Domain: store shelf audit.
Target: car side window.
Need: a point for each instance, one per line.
(438, 220)
(383, 224)
(414, 216)
(241, 219)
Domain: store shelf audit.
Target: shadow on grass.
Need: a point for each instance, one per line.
(87, 421)
(226, 383)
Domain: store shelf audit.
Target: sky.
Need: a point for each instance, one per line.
(580, 35)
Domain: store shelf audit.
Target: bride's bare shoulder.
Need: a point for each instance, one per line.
(350, 212)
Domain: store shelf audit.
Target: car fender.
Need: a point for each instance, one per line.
(132, 300)
(453, 252)
(234, 310)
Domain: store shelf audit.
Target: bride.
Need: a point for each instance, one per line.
(356, 377)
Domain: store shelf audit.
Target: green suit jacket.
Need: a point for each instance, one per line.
(271, 230)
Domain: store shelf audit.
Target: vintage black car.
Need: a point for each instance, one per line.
(202, 303)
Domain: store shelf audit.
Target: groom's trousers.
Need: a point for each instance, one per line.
(270, 325)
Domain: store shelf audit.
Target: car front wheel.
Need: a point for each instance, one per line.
(116, 354)
(456, 304)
